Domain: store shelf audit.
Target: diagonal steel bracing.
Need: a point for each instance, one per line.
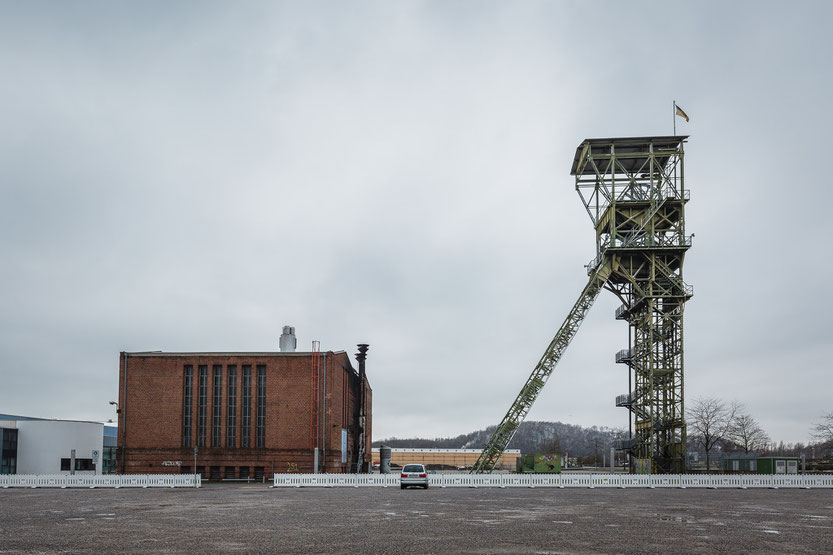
(517, 412)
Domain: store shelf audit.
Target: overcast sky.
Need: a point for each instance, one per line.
(193, 176)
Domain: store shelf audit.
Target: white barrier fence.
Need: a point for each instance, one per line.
(100, 481)
(682, 481)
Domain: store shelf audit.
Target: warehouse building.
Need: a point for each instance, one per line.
(444, 459)
(48, 446)
(244, 415)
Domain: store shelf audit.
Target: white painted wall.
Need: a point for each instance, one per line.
(41, 444)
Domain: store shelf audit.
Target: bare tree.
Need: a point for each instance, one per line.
(710, 419)
(745, 432)
(823, 430)
(551, 446)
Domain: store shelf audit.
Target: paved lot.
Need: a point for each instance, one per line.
(221, 518)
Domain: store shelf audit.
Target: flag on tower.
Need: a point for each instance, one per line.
(679, 112)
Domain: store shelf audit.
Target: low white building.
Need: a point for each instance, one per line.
(46, 446)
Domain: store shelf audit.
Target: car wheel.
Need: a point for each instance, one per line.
(401, 486)
(425, 486)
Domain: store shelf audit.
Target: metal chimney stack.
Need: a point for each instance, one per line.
(359, 464)
(288, 341)
(361, 356)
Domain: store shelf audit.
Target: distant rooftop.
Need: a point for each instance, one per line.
(17, 417)
(435, 450)
(14, 417)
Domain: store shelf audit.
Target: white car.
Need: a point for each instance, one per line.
(413, 475)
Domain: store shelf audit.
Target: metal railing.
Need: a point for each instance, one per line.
(645, 191)
(624, 355)
(593, 264)
(100, 480)
(669, 192)
(641, 239)
(713, 481)
(637, 241)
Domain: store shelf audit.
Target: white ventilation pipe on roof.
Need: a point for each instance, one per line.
(288, 341)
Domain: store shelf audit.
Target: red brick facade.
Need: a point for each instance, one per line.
(152, 419)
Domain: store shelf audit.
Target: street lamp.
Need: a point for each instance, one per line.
(118, 410)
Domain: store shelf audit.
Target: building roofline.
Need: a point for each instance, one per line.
(5, 418)
(217, 354)
(227, 353)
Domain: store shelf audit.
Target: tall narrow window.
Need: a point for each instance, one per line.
(201, 406)
(231, 403)
(246, 424)
(260, 426)
(8, 459)
(188, 406)
(217, 407)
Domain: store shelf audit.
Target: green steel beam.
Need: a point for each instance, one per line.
(520, 408)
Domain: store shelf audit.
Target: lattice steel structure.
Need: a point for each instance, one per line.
(634, 191)
(535, 383)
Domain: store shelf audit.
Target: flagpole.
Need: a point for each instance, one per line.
(674, 117)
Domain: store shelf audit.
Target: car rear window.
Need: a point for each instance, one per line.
(413, 468)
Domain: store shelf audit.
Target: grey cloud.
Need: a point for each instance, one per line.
(193, 176)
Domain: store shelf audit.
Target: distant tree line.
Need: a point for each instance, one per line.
(725, 427)
(585, 444)
(714, 425)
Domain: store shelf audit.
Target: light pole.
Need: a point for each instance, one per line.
(118, 429)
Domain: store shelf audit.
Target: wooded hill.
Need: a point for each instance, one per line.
(531, 437)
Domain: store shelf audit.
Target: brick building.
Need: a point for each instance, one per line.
(247, 414)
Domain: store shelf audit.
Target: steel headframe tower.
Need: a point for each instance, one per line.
(634, 191)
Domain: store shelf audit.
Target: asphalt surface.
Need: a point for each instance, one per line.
(254, 518)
